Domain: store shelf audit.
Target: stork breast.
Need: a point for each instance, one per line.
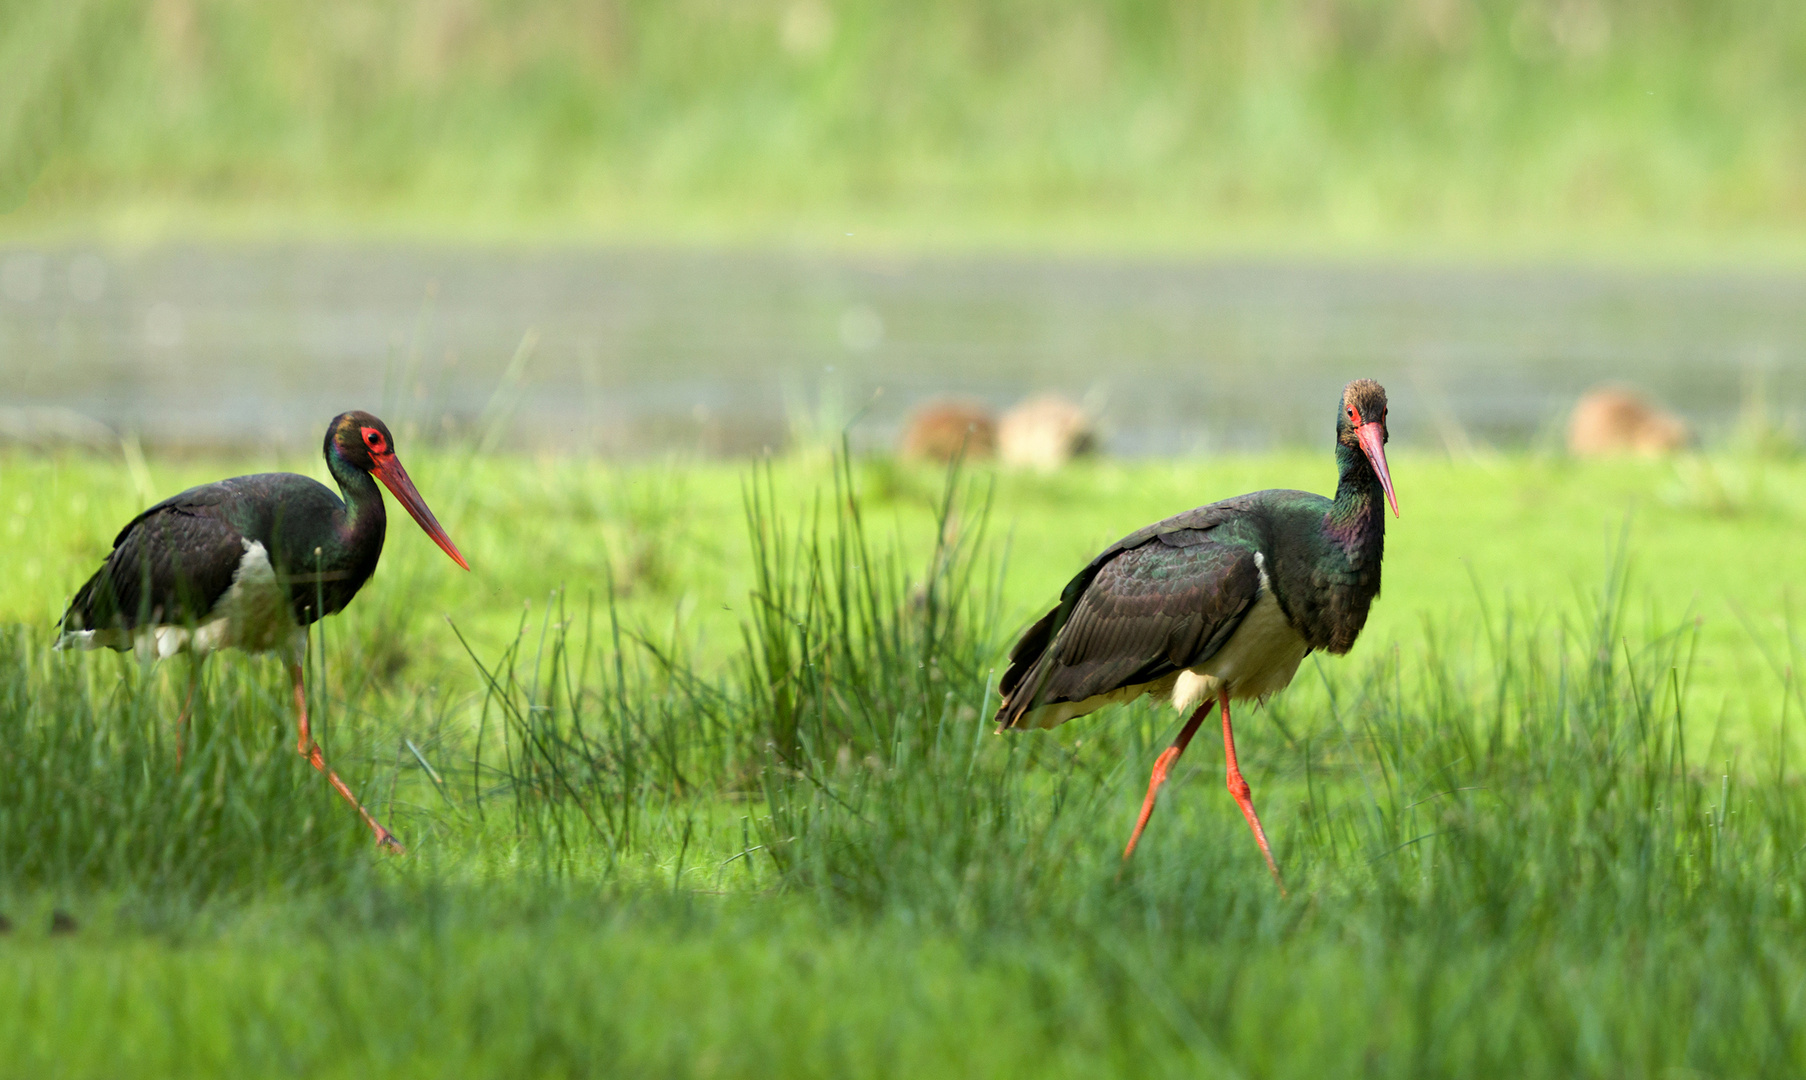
(1260, 658)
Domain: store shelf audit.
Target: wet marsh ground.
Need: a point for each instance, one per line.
(697, 782)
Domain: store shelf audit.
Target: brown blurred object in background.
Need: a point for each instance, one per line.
(941, 429)
(1617, 420)
(1045, 432)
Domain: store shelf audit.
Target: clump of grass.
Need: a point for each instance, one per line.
(847, 651)
(597, 733)
(94, 797)
(1534, 776)
(861, 676)
(848, 663)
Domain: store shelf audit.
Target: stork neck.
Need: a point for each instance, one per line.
(1357, 519)
(364, 513)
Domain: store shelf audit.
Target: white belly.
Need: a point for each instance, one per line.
(1258, 659)
(253, 615)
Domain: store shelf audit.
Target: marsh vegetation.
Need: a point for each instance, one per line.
(698, 780)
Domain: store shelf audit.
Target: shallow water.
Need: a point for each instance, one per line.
(649, 352)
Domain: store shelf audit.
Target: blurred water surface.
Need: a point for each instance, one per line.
(635, 352)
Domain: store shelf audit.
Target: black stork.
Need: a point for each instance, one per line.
(250, 563)
(1218, 603)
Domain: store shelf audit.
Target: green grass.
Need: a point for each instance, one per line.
(740, 815)
(1503, 125)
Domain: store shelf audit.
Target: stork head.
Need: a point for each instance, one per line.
(1361, 425)
(364, 443)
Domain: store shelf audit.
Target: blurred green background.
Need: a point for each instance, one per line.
(1601, 127)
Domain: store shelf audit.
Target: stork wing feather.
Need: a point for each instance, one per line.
(169, 566)
(1160, 600)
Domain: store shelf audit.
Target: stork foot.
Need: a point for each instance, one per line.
(1244, 797)
(309, 749)
(384, 838)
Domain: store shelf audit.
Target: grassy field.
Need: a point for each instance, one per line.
(1520, 126)
(711, 794)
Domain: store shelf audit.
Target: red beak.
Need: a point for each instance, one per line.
(1373, 443)
(388, 469)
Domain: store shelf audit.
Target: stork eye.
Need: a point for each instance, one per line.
(374, 440)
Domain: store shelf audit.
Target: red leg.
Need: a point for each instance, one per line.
(1238, 787)
(307, 748)
(1162, 766)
